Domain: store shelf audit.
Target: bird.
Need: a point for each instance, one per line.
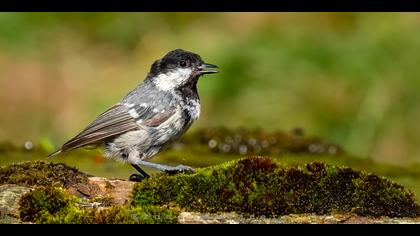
(155, 113)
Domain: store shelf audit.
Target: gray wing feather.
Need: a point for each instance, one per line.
(116, 120)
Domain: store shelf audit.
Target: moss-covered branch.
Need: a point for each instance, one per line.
(253, 186)
(53, 205)
(259, 186)
(39, 173)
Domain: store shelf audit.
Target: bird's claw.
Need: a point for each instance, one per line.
(179, 168)
(137, 177)
(184, 168)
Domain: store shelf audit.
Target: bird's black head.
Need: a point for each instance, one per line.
(179, 68)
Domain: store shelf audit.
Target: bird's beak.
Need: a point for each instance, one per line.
(206, 68)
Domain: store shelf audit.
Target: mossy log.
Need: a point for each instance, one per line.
(251, 190)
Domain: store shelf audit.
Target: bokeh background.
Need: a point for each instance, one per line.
(350, 78)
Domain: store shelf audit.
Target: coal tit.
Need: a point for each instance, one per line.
(151, 116)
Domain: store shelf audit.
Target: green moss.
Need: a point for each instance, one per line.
(260, 186)
(41, 174)
(54, 205)
(112, 215)
(251, 186)
(43, 201)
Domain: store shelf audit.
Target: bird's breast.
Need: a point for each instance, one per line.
(192, 107)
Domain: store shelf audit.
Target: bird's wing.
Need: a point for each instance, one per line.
(118, 119)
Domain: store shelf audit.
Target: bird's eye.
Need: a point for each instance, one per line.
(183, 63)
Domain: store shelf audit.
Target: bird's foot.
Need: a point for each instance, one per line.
(137, 177)
(179, 169)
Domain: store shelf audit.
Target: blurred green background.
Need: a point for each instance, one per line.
(351, 78)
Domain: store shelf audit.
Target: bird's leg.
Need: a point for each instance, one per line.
(133, 155)
(141, 171)
(142, 174)
(178, 168)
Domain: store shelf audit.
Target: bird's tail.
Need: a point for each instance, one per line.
(54, 153)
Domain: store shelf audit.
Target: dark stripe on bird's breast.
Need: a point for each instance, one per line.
(186, 116)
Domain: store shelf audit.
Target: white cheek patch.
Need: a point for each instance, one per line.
(173, 79)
